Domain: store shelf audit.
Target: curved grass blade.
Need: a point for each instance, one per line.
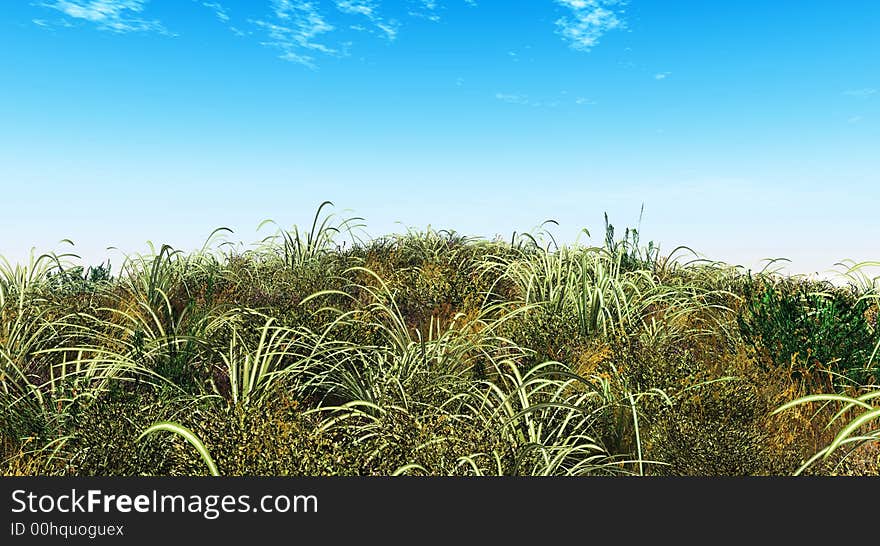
(187, 435)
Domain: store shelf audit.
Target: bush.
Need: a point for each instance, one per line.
(811, 325)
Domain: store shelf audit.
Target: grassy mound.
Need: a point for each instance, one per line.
(432, 353)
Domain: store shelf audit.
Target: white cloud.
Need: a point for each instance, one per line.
(112, 15)
(513, 98)
(301, 30)
(221, 12)
(294, 30)
(589, 20)
(547, 102)
(366, 8)
(861, 93)
(426, 9)
(662, 75)
(370, 10)
(390, 29)
(524, 100)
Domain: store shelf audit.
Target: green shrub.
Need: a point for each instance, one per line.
(811, 324)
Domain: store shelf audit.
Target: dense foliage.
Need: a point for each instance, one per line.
(318, 353)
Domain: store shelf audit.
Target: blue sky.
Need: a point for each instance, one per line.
(748, 129)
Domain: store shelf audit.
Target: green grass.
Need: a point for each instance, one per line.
(429, 352)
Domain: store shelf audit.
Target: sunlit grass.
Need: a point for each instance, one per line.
(423, 353)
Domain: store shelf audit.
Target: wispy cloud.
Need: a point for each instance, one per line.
(219, 11)
(119, 16)
(525, 100)
(513, 98)
(370, 10)
(51, 25)
(222, 14)
(861, 93)
(662, 75)
(294, 29)
(360, 7)
(426, 9)
(589, 21)
(302, 30)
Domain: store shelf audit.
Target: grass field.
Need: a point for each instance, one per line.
(318, 353)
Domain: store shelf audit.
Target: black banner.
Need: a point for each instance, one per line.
(409, 509)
